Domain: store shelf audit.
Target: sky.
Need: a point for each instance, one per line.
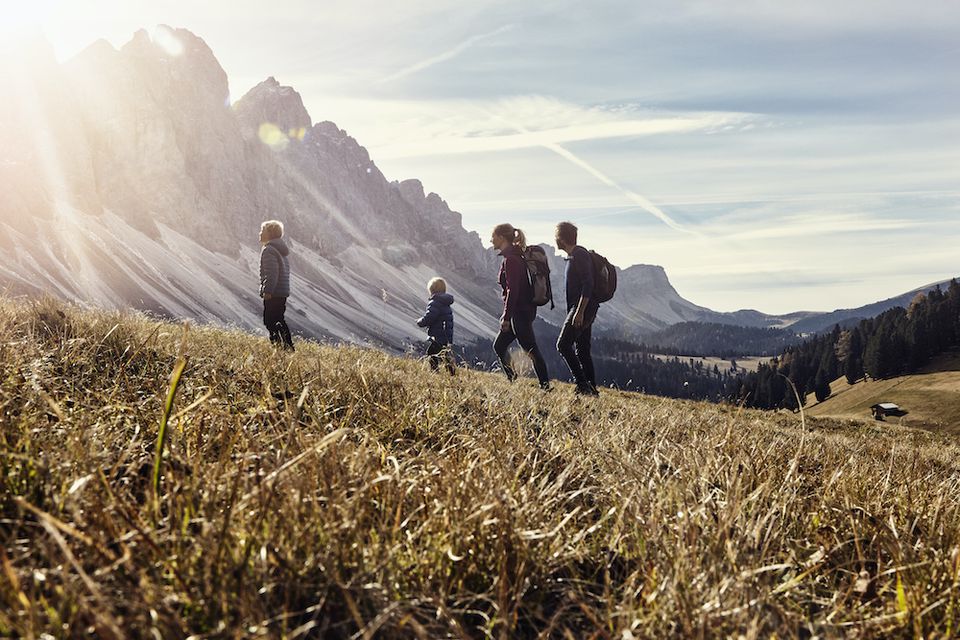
(769, 155)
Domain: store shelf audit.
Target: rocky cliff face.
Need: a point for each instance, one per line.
(139, 184)
(645, 301)
(129, 179)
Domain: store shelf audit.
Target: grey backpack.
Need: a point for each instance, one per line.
(538, 273)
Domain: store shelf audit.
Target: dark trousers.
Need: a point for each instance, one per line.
(521, 330)
(574, 345)
(441, 352)
(273, 310)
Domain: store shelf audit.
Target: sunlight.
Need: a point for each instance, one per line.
(166, 39)
(33, 91)
(20, 18)
(275, 138)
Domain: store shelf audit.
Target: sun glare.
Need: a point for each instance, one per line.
(22, 18)
(166, 39)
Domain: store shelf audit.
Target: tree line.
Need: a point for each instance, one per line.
(706, 339)
(896, 342)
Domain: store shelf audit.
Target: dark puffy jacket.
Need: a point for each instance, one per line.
(275, 269)
(439, 318)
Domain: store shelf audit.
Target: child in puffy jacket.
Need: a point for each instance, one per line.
(438, 320)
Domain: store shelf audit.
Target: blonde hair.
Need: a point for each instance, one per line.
(274, 228)
(437, 285)
(514, 235)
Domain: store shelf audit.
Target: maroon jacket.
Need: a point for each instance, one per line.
(515, 282)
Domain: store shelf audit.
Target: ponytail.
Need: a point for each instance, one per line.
(516, 237)
(519, 239)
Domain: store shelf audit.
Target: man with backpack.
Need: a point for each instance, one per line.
(590, 280)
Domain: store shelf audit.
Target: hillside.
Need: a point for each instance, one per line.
(340, 492)
(930, 396)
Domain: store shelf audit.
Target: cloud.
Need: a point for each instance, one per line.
(446, 55)
(818, 224)
(466, 143)
(641, 201)
(451, 127)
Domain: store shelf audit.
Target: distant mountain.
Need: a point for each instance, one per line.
(645, 301)
(128, 179)
(826, 321)
(805, 322)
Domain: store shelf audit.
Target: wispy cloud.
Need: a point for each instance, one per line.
(819, 224)
(466, 143)
(446, 55)
(450, 127)
(642, 201)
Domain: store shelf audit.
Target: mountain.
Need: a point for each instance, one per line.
(645, 301)
(130, 180)
(826, 321)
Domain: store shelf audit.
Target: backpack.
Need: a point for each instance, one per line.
(604, 278)
(538, 273)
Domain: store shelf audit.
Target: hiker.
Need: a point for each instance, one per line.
(275, 282)
(438, 320)
(519, 309)
(574, 341)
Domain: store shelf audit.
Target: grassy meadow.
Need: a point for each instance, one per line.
(931, 396)
(341, 493)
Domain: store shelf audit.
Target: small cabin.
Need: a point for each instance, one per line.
(883, 409)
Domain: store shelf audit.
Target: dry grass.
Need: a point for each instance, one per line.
(338, 492)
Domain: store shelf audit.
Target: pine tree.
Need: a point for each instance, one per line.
(876, 359)
(822, 391)
(853, 364)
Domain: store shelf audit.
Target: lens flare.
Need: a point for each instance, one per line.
(278, 139)
(166, 39)
(272, 136)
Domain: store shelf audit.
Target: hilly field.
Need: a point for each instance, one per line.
(169, 482)
(931, 396)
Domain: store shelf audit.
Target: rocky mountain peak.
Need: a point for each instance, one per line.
(648, 277)
(177, 62)
(272, 103)
(412, 191)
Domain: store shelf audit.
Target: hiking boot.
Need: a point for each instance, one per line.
(585, 389)
(545, 387)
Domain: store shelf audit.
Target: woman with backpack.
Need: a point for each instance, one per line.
(519, 309)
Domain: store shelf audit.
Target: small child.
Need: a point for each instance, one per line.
(438, 320)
